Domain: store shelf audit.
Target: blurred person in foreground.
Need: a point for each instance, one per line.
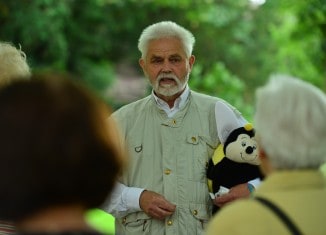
(59, 155)
(13, 66)
(170, 135)
(291, 133)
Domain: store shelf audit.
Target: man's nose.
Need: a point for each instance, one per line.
(166, 67)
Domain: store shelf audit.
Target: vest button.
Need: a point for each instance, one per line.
(167, 171)
(169, 222)
(124, 220)
(174, 121)
(194, 212)
(193, 139)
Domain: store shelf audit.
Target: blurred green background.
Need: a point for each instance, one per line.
(101, 220)
(238, 44)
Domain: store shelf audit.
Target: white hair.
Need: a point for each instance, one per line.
(166, 29)
(291, 122)
(13, 64)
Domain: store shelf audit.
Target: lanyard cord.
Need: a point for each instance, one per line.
(286, 220)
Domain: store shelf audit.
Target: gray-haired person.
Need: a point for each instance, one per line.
(170, 135)
(291, 133)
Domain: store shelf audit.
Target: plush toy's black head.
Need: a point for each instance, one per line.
(249, 130)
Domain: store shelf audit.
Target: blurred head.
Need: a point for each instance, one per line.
(166, 57)
(13, 64)
(290, 121)
(57, 147)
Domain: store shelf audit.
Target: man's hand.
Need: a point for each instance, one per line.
(238, 191)
(155, 205)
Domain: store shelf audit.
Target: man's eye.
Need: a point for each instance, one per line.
(175, 60)
(156, 61)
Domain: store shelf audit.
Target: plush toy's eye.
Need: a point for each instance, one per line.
(243, 144)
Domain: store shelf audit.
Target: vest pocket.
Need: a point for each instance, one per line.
(201, 215)
(136, 223)
(198, 151)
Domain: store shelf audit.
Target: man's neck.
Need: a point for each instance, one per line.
(170, 100)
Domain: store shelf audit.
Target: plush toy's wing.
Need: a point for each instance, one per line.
(227, 120)
(218, 154)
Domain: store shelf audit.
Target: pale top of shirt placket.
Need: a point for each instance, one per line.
(179, 103)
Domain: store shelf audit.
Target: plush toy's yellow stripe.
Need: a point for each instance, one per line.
(210, 185)
(218, 154)
(217, 157)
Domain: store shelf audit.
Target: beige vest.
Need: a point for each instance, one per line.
(169, 156)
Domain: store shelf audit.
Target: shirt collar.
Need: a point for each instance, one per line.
(179, 102)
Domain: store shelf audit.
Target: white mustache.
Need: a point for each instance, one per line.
(167, 75)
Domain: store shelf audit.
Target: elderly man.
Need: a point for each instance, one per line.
(171, 135)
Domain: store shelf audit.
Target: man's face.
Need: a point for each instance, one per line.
(167, 67)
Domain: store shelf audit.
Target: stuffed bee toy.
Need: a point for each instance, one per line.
(236, 159)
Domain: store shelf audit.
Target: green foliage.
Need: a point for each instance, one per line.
(297, 39)
(97, 76)
(38, 27)
(238, 45)
(221, 83)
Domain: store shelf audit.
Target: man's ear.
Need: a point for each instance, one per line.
(141, 62)
(191, 62)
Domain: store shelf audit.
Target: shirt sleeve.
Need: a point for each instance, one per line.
(123, 200)
(255, 182)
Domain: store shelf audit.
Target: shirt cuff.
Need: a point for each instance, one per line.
(131, 197)
(255, 182)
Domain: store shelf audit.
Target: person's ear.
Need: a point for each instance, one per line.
(191, 61)
(141, 63)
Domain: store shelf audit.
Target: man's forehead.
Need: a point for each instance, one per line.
(160, 55)
(165, 47)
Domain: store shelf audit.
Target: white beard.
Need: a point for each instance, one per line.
(169, 89)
